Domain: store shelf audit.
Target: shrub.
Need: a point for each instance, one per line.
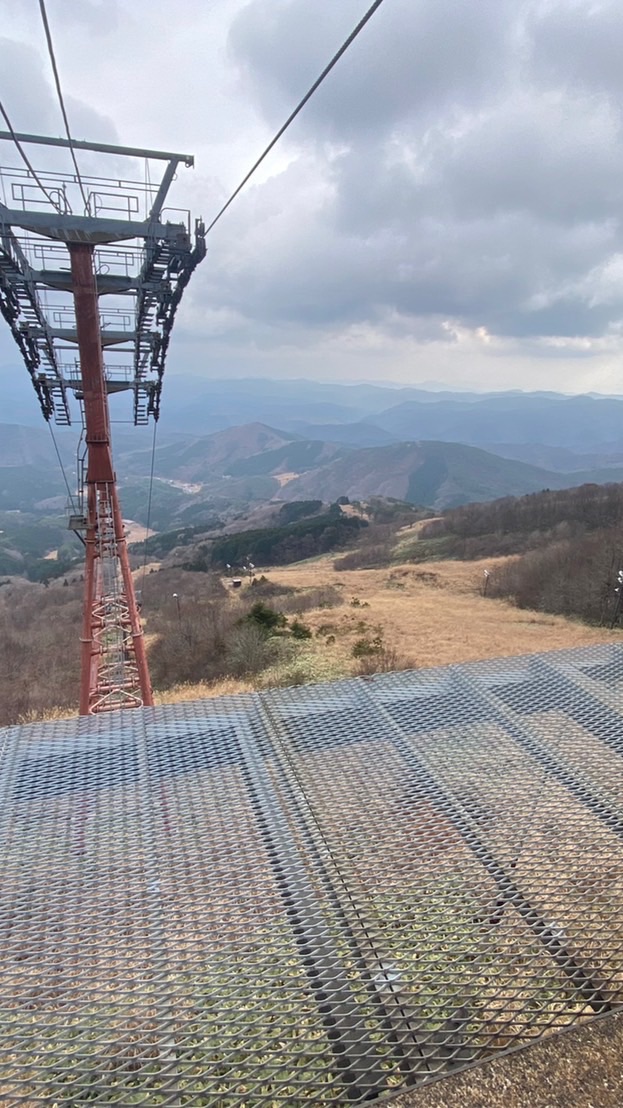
(385, 660)
(249, 649)
(365, 646)
(300, 630)
(266, 618)
(325, 629)
(325, 596)
(300, 663)
(265, 588)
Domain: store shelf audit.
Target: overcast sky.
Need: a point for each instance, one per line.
(448, 206)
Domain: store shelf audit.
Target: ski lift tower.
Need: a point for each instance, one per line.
(92, 270)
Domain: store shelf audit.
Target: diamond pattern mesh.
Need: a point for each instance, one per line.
(313, 895)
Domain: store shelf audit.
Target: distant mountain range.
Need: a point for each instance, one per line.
(373, 415)
(200, 477)
(363, 414)
(229, 445)
(578, 423)
(434, 474)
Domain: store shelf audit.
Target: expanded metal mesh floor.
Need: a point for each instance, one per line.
(313, 895)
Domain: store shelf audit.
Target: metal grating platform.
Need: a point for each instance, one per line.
(313, 895)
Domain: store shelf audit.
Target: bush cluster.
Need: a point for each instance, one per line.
(207, 637)
(572, 578)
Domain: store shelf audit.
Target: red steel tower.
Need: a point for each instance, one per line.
(66, 242)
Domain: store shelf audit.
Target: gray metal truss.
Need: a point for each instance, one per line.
(147, 262)
(22, 309)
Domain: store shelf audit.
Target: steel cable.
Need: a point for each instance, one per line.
(62, 467)
(26, 159)
(336, 57)
(57, 82)
(149, 497)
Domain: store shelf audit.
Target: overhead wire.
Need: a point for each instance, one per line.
(62, 468)
(149, 497)
(57, 81)
(336, 57)
(26, 159)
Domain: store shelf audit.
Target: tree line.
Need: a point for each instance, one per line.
(570, 542)
(517, 524)
(279, 545)
(575, 577)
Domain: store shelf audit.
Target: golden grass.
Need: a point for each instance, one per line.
(284, 478)
(49, 715)
(351, 510)
(434, 614)
(225, 686)
(431, 614)
(137, 532)
(413, 529)
(141, 572)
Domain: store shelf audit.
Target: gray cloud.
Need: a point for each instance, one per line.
(579, 44)
(453, 190)
(26, 93)
(414, 57)
(471, 177)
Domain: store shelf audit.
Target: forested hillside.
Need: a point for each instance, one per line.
(515, 524)
(570, 542)
(280, 545)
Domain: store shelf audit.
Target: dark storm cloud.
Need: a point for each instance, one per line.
(493, 272)
(476, 168)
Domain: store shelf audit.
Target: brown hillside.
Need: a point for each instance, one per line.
(431, 615)
(211, 455)
(434, 614)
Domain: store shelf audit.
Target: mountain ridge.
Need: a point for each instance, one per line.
(256, 462)
(436, 474)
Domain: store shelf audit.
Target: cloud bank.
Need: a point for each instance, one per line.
(447, 206)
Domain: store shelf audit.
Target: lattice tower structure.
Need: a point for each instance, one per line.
(58, 260)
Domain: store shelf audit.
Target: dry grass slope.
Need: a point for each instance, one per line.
(431, 615)
(427, 614)
(435, 613)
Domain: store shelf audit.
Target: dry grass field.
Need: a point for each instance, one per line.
(431, 614)
(284, 478)
(426, 614)
(434, 613)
